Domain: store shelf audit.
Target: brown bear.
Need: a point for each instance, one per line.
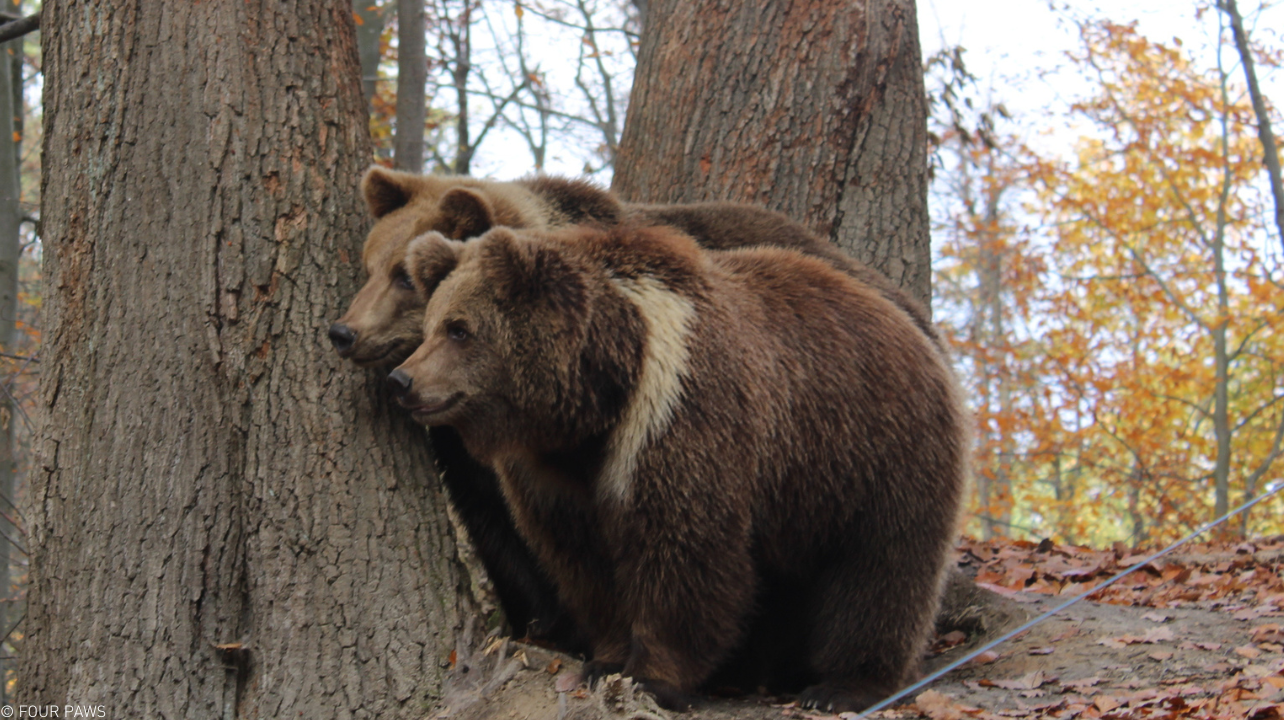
(679, 432)
(384, 324)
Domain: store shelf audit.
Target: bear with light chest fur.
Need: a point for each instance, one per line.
(689, 437)
(384, 324)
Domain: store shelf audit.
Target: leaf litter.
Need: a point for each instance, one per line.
(1196, 635)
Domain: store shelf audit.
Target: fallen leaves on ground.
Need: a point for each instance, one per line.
(1237, 578)
(1240, 697)
(1240, 579)
(1152, 636)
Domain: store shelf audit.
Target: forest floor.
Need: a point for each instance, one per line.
(1195, 635)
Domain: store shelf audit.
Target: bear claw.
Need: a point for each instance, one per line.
(830, 699)
(666, 695)
(595, 671)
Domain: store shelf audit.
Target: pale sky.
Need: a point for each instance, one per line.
(1011, 44)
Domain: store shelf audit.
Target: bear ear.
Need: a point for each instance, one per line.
(386, 190)
(429, 259)
(464, 213)
(504, 264)
(527, 271)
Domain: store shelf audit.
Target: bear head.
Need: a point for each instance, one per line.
(515, 351)
(383, 324)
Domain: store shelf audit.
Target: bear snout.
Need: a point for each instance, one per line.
(343, 338)
(400, 383)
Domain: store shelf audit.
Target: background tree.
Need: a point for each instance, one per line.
(1261, 112)
(493, 77)
(370, 19)
(1133, 348)
(744, 102)
(10, 256)
(1165, 321)
(983, 282)
(492, 83)
(412, 74)
(228, 521)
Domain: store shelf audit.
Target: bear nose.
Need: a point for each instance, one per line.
(399, 382)
(342, 337)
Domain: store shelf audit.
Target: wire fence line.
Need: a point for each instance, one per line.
(933, 677)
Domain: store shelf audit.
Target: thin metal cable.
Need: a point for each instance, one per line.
(1117, 577)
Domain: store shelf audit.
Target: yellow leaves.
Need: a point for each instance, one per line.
(1093, 369)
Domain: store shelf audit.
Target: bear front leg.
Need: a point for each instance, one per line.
(526, 594)
(687, 581)
(610, 644)
(871, 618)
(561, 528)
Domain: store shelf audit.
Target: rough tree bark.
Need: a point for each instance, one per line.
(813, 108)
(226, 521)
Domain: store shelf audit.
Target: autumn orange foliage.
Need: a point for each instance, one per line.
(1126, 350)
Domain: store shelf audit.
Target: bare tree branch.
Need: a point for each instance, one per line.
(1264, 133)
(1253, 415)
(559, 21)
(609, 125)
(18, 28)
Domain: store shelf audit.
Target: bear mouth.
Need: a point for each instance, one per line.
(426, 410)
(383, 355)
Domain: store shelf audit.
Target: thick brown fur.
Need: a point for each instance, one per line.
(384, 324)
(689, 437)
(384, 316)
(728, 226)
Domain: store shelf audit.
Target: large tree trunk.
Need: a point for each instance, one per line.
(813, 108)
(226, 521)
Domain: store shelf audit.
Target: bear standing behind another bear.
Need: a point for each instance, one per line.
(691, 438)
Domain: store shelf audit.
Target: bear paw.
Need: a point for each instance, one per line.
(832, 699)
(666, 696)
(555, 629)
(595, 671)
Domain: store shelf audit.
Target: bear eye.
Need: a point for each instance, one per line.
(456, 330)
(401, 279)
